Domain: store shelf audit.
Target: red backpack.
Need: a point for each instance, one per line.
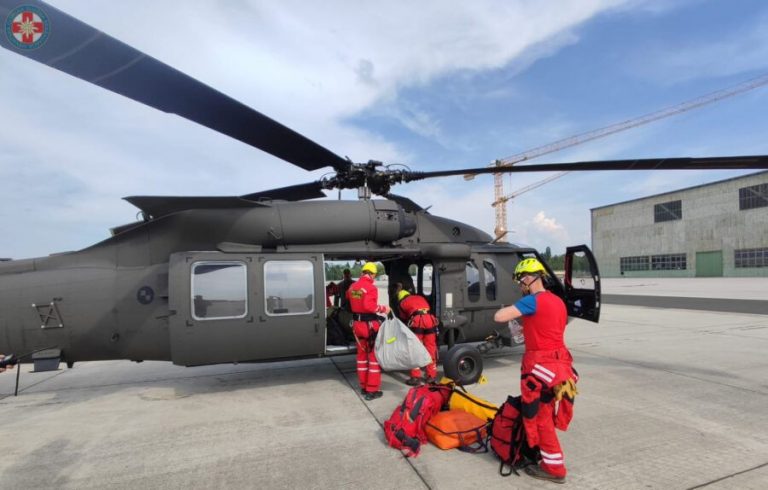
(406, 427)
(508, 438)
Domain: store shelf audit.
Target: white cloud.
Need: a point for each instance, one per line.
(547, 225)
(542, 229)
(70, 150)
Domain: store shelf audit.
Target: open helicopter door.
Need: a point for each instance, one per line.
(582, 283)
(229, 307)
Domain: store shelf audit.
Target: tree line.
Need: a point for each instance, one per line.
(335, 271)
(556, 262)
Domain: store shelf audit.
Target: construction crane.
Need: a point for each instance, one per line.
(500, 200)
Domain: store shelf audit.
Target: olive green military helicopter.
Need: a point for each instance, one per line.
(203, 280)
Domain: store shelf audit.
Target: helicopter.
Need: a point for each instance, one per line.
(219, 279)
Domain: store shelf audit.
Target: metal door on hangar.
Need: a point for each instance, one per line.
(709, 264)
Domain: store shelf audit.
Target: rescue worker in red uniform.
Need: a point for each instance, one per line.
(547, 383)
(364, 302)
(415, 312)
(331, 290)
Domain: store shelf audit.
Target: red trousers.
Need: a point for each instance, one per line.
(541, 371)
(552, 460)
(430, 343)
(419, 324)
(368, 370)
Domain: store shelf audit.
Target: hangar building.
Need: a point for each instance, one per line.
(710, 230)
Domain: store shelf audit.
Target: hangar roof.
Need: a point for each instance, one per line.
(717, 182)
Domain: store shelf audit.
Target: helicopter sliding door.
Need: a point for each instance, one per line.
(244, 307)
(582, 283)
(291, 309)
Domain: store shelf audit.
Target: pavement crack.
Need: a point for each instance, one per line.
(367, 407)
(728, 476)
(22, 390)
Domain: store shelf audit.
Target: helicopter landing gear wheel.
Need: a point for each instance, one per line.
(463, 364)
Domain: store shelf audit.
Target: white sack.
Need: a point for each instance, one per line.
(398, 349)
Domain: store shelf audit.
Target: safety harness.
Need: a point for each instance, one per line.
(414, 325)
(367, 317)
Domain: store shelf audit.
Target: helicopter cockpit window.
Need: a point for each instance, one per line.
(219, 290)
(289, 287)
(581, 272)
(473, 281)
(490, 279)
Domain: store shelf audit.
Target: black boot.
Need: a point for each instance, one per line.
(537, 472)
(372, 395)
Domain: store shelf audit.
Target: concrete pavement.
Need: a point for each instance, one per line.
(671, 399)
(725, 294)
(747, 288)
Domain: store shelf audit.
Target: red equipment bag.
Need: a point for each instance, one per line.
(508, 438)
(405, 428)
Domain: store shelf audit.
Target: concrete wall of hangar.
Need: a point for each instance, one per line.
(711, 221)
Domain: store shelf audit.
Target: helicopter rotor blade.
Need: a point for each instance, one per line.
(708, 163)
(158, 206)
(73, 47)
(299, 192)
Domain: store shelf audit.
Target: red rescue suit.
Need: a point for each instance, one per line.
(415, 311)
(332, 289)
(364, 303)
(546, 364)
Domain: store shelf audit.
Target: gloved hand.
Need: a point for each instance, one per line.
(7, 361)
(565, 389)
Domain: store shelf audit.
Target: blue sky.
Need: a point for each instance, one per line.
(438, 85)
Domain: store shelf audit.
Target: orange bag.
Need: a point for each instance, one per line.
(458, 429)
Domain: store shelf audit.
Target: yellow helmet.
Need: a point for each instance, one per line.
(529, 266)
(402, 294)
(370, 267)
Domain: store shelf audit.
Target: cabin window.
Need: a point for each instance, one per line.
(473, 281)
(426, 279)
(490, 279)
(289, 287)
(219, 290)
(581, 272)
